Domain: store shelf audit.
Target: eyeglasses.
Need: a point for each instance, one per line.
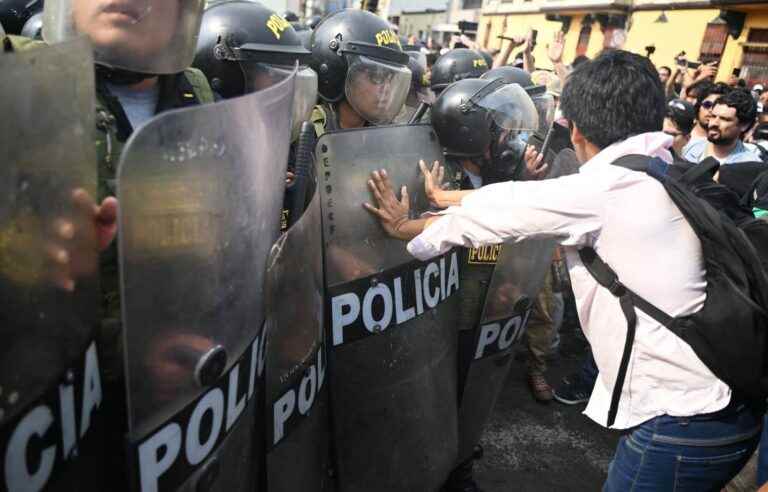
(708, 105)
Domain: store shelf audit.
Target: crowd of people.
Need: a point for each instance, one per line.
(607, 187)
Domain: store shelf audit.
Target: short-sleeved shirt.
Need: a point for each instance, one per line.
(696, 151)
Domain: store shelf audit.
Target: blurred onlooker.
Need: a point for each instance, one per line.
(555, 53)
(706, 95)
(678, 123)
(732, 116)
(705, 71)
(665, 74)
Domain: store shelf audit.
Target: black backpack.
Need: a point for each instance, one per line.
(730, 332)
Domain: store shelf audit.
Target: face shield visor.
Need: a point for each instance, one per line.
(375, 89)
(259, 76)
(142, 36)
(514, 118)
(545, 108)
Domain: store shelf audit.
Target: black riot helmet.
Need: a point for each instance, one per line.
(33, 28)
(458, 64)
(476, 119)
(510, 75)
(488, 57)
(313, 21)
(15, 13)
(358, 57)
(420, 87)
(544, 102)
(244, 47)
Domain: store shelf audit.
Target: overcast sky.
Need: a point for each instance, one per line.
(410, 5)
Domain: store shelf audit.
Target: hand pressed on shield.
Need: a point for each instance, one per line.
(535, 167)
(70, 251)
(433, 179)
(392, 213)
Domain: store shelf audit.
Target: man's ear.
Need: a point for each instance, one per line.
(577, 138)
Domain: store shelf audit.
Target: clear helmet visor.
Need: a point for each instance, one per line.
(259, 76)
(545, 107)
(511, 108)
(376, 90)
(144, 36)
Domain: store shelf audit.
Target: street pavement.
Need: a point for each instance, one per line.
(536, 447)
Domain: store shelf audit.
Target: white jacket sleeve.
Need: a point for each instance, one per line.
(568, 209)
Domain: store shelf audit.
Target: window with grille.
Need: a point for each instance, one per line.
(713, 44)
(754, 63)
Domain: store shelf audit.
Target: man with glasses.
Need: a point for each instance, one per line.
(731, 117)
(706, 95)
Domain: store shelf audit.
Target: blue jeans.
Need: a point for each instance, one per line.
(685, 454)
(762, 456)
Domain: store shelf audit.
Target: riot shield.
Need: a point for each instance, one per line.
(51, 415)
(516, 280)
(200, 192)
(295, 362)
(391, 321)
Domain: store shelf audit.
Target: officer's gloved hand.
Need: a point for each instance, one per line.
(70, 248)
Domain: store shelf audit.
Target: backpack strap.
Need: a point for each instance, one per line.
(606, 277)
(705, 170)
(628, 300)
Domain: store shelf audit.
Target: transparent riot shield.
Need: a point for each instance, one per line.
(200, 196)
(297, 427)
(517, 278)
(51, 399)
(390, 321)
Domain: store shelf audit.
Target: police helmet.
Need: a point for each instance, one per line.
(357, 56)
(544, 101)
(458, 64)
(33, 28)
(15, 13)
(488, 57)
(473, 115)
(245, 47)
(417, 64)
(313, 21)
(139, 36)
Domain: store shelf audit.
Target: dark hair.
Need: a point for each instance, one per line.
(579, 60)
(682, 115)
(613, 97)
(743, 102)
(698, 88)
(669, 70)
(719, 89)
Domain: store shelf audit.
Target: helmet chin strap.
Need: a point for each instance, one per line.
(119, 76)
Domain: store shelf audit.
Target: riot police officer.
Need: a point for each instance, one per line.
(142, 52)
(363, 73)
(457, 64)
(245, 47)
(483, 126)
(420, 92)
